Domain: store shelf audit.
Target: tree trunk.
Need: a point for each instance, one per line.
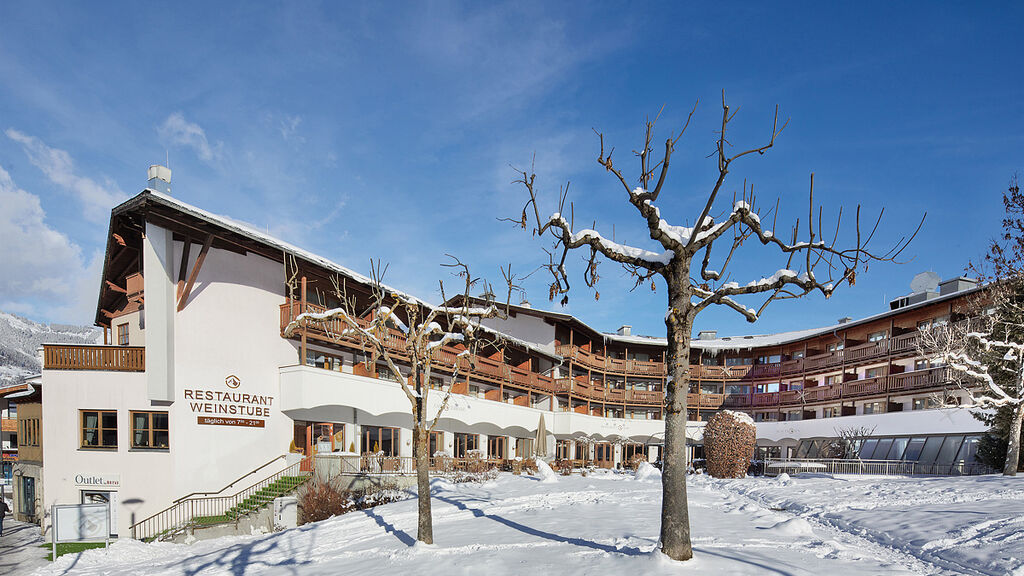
(425, 525)
(675, 516)
(1013, 442)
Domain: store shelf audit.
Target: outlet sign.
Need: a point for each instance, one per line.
(98, 480)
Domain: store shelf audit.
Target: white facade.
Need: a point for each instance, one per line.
(230, 327)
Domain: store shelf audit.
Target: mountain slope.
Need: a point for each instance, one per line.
(20, 337)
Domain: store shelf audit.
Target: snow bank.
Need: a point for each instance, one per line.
(782, 478)
(794, 527)
(607, 523)
(645, 471)
(545, 473)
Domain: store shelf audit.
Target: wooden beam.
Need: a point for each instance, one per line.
(195, 272)
(115, 287)
(183, 269)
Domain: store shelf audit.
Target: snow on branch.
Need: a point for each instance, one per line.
(814, 262)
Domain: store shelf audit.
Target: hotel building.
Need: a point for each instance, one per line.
(197, 391)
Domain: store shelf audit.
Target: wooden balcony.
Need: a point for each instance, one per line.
(495, 371)
(859, 389)
(645, 397)
(79, 357)
(626, 367)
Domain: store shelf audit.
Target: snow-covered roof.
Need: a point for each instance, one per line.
(743, 342)
(244, 229)
(248, 231)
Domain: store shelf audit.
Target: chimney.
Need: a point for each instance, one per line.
(845, 319)
(159, 179)
(707, 334)
(625, 330)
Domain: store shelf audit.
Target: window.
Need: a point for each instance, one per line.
(435, 443)
(122, 334)
(631, 452)
(149, 430)
(99, 429)
(876, 336)
(603, 453)
(497, 447)
(831, 412)
(524, 447)
(926, 403)
(385, 373)
(328, 437)
(465, 443)
(940, 321)
(798, 354)
(737, 389)
(772, 359)
(738, 361)
(922, 364)
(322, 360)
(380, 439)
(874, 372)
(836, 347)
(834, 379)
(28, 433)
(562, 450)
(873, 408)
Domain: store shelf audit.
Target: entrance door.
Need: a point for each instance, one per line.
(27, 505)
(104, 497)
(603, 455)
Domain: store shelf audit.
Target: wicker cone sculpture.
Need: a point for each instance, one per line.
(729, 441)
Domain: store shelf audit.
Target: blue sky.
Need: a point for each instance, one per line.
(387, 130)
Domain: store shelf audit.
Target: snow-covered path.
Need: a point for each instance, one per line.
(19, 548)
(607, 523)
(961, 525)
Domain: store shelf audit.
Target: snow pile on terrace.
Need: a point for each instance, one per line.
(607, 524)
(645, 471)
(545, 473)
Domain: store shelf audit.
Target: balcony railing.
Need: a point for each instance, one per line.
(495, 371)
(651, 368)
(79, 357)
(481, 368)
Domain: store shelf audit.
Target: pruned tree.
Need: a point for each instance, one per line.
(423, 333)
(985, 355)
(684, 257)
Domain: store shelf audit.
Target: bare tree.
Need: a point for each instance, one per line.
(423, 332)
(815, 264)
(985, 355)
(848, 441)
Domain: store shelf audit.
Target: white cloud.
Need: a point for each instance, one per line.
(180, 132)
(289, 127)
(44, 273)
(58, 166)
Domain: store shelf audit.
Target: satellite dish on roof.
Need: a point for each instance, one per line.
(925, 282)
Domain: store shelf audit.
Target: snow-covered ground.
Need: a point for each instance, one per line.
(607, 523)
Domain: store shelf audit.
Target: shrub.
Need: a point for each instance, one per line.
(563, 467)
(729, 440)
(478, 477)
(322, 499)
(530, 466)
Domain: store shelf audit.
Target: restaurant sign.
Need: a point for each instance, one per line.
(231, 408)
